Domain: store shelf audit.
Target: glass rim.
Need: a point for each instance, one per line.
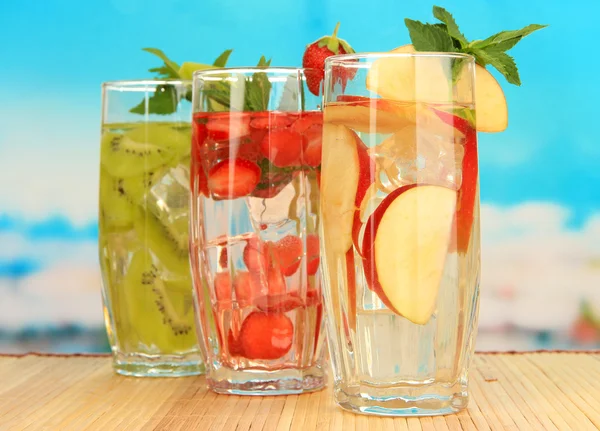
(250, 69)
(129, 83)
(351, 58)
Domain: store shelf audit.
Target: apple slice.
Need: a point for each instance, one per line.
(367, 115)
(347, 171)
(405, 245)
(404, 78)
(468, 192)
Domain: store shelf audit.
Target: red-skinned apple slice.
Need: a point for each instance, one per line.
(397, 78)
(339, 181)
(467, 194)
(405, 246)
(347, 172)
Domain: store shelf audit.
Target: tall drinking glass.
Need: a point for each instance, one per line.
(143, 241)
(400, 229)
(255, 249)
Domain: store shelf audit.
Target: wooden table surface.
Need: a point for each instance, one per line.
(522, 391)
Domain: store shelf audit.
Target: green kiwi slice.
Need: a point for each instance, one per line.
(156, 316)
(122, 156)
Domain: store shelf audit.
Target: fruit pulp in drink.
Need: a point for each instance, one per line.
(400, 209)
(143, 240)
(255, 247)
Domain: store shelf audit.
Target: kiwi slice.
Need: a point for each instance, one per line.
(168, 241)
(176, 137)
(122, 156)
(156, 316)
(116, 208)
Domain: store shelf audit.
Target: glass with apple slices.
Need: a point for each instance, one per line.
(400, 230)
(256, 153)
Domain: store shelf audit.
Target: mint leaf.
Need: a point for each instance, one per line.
(221, 60)
(258, 90)
(429, 37)
(505, 40)
(163, 102)
(187, 69)
(506, 65)
(263, 62)
(170, 69)
(481, 56)
(451, 27)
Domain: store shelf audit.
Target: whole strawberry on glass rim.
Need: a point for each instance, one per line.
(316, 53)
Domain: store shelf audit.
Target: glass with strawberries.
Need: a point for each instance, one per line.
(256, 154)
(400, 229)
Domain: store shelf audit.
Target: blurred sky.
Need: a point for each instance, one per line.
(55, 54)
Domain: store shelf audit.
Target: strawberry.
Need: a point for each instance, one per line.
(233, 178)
(312, 146)
(288, 253)
(247, 288)
(312, 253)
(282, 303)
(315, 55)
(234, 344)
(276, 282)
(306, 121)
(256, 255)
(223, 258)
(282, 147)
(270, 120)
(266, 335)
(223, 289)
(224, 126)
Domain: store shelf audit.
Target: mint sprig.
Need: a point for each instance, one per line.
(446, 36)
(165, 99)
(257, 92)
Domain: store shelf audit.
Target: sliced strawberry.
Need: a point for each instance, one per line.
(233, 178)
(271, 184)
(223, 289)
(288, 254)
(270, 120)
(276, 282)
(223, 259)
(312, 253)
(221, 127)
(306, 121)
(256, 255)
(247, 288)
(282, 147)
(234, 344)
(312, 145)
(266, 335)
(282, 303)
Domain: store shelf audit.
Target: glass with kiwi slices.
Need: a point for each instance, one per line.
(143, 228)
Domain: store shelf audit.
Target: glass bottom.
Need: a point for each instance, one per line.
(429, 400)
(140, 365)
(261, 382)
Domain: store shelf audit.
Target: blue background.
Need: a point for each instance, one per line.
(542, 173)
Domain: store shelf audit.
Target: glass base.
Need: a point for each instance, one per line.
(260, 382)
(401, 401)
(140, 365)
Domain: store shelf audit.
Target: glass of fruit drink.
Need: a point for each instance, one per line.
(400, 230)
(256, 154)
(143, 228)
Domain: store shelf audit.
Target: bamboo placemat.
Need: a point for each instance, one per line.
(510, 391)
